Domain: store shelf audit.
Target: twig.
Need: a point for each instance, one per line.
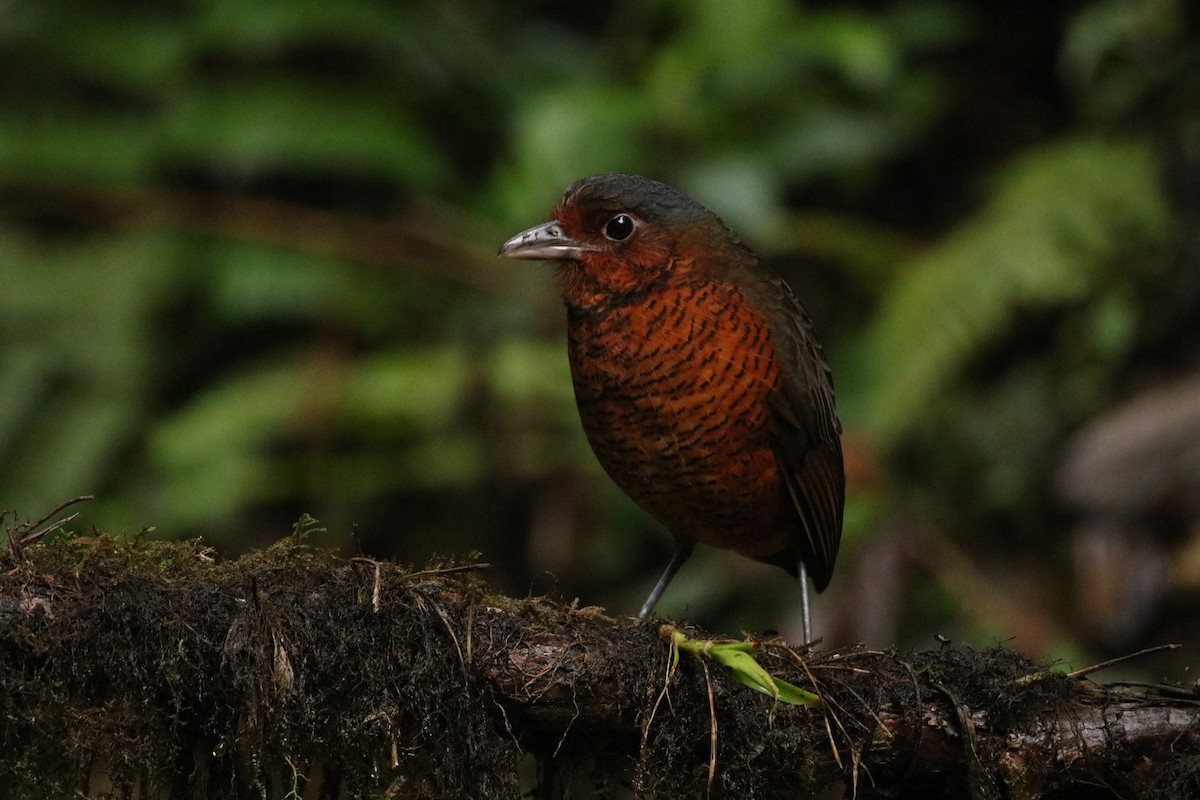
(425, 573)
(712, 730)
(672, 663)
(1079, 673)
(375, 569)
(30, 532)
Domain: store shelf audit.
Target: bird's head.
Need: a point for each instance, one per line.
(617, 235)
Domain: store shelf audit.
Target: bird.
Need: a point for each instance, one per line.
(699, 381)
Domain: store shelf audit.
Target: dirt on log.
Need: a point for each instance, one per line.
(155, 669)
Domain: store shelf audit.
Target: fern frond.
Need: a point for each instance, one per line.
(1058, 219)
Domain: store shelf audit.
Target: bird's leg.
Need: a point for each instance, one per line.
(682, 552)
(805, 610)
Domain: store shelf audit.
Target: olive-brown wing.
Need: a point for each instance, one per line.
(806, 436)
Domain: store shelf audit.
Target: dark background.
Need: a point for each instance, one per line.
(247, 271)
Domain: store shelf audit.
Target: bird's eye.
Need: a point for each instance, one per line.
(619, 227)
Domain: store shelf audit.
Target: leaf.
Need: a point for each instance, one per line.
(737, 658)
(1058, 220)
(266, 122)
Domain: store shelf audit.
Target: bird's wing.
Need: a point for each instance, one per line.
(806, 440)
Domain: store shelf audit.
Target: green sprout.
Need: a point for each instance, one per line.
(737, 658)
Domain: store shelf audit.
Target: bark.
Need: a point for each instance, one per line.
(154, 670)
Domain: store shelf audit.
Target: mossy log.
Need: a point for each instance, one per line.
(155, 669)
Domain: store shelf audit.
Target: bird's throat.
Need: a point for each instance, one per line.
(603, 282)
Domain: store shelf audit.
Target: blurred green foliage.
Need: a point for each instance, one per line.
(1058, 220)
(247, 271)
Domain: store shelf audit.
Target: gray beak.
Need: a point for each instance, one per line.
(546, 242)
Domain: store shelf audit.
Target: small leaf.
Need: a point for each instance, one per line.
(737, 658)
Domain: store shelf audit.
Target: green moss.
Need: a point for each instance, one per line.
(166, 668)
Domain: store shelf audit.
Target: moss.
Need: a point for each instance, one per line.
(161, 667)
(151, 659)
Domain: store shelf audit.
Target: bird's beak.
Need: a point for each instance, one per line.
(547, 242)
